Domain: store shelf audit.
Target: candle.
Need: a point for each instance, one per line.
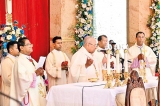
(159, 57)
(117, 61)
(9, 6)
(126, 60)
(108, 61)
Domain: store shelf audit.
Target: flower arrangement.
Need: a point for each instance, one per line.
(84, 22)
(154, 24)
(10, 33)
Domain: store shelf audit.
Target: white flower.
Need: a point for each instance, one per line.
(154, 34)
(87, 8)
(9, 37)
(83, 20)
(154, 49)
(82, 32)
(89, 16)
(158, 24)
(152, 38)
(76, 6)
(1, 32)
(77, 42)
(88, 25)
(13, 32)
(156, 44)
(153, 27)
(86, 13)
(6, 29)
(18, 31)
(5, 50)
(84, 5)
(153, 4)
(85, 28)
(80, 35)
(151, 45)
(153, 19)
(89, 4)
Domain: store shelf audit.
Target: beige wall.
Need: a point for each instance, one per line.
(62, 21)
(138, 12)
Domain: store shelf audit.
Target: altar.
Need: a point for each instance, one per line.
(88, 94)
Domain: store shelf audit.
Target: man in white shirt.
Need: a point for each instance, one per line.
(27, 85)
(6, 70)
(84, 64)
(101, 56)
(57, 63)
(136, 53)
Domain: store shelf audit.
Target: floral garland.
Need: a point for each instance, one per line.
(154, 24)
(10, 33)
(84, 22)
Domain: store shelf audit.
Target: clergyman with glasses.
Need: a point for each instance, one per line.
(27, 84)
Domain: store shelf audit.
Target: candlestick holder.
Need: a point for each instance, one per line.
(126, 77)
(104, 75)
(117, 80)
(109, 81)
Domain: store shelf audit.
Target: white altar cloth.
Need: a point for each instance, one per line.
(94, 94)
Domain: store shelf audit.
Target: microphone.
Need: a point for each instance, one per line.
(11, 98)
(104, 51)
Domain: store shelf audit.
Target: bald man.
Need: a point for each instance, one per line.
(83, 63)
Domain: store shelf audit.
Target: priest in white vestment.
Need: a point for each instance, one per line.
(6, 71)
(84, 64)
(101, 56)
(57, 63)
(141, 52)
(27, 85)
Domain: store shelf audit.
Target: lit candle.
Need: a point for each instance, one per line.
(117, 61)
(126, 60)
(108, 61)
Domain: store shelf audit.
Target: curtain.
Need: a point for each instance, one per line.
(35, 15)
(2, 12)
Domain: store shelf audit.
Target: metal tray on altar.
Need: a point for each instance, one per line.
(93, 79)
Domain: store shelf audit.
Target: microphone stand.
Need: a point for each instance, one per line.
(11, 98)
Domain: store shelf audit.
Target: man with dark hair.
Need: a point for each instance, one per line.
(102, 57)
(142, 58)
(27, 85)
(140, 52)
(57, 64)
(6, 70)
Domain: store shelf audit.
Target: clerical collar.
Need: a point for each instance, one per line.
(99, 48)
(28, 57)
(56, 50)
(11, 55)
(139, 46)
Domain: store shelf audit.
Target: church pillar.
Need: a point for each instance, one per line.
(138, 12)
(62, 22)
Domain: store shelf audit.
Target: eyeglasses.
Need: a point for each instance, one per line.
(93, 44)
(28, 45)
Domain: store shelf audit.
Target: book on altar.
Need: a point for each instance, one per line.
(41, 61)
